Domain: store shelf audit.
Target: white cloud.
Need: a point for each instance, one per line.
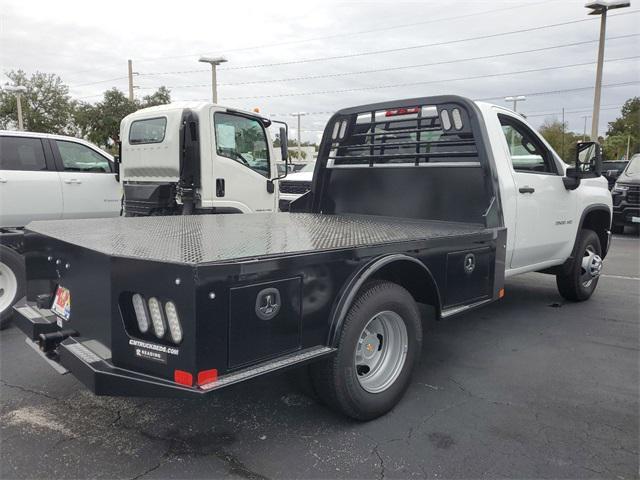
(88, 42)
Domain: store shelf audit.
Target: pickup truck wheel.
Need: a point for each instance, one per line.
(581, 281)
(378, 348)
(12, 281)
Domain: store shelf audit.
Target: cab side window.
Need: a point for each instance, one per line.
(528, 154)
(244, 140)
(22, 153)
(80, 158)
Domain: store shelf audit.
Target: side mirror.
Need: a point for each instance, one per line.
(588, 162)
(284, 152)
(116, 167)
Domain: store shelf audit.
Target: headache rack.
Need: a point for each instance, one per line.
(418, 135)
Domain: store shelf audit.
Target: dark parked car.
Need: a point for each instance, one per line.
(626, 196)
(611, 170)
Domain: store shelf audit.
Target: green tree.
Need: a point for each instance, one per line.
(625, 128)
(162, 96)
(563, 141)
(46, 105)
(100, 122)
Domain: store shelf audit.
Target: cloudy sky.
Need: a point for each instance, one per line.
(319, 56)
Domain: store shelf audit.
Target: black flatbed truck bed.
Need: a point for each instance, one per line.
(260, 292)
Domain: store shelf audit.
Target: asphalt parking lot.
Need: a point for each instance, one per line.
(528, 387)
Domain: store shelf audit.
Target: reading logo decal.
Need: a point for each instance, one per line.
(268, 303)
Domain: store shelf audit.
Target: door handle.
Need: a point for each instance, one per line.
(3, 180)
(527, 189)
(72, 180)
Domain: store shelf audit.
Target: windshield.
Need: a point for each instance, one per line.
(634, 166)
(308, 167)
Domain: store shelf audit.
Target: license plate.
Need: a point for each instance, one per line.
(62, 303)
(635, 219)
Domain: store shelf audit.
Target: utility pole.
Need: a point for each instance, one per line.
(299, 114)
(601, 7)
(18, 90)
(213, 61)
(584, 132)
(130, 65)
(628, 145)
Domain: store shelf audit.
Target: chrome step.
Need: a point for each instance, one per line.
(270, 366)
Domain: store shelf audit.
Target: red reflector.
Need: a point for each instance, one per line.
(501, 293)
(401, 111)
(207, 376)
(183, 378)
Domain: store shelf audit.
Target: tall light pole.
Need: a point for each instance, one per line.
(213, 61)
(18, 90)
(601, 7)
(515, 100)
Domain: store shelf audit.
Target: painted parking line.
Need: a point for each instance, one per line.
(621, 277)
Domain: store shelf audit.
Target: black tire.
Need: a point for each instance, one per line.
(572, 286)
(617, 229)
(15, 262)
(336, 379)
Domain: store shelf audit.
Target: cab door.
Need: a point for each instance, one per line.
(89, 186)
(545, 208)
(30, 186)
(242, 167)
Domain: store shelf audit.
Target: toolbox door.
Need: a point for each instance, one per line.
(264, 321)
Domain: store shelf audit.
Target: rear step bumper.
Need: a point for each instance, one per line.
(102, 378)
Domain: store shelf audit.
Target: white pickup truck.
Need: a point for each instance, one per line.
(47, 177)
(429, 200)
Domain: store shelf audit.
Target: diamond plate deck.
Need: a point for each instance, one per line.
(220, 238)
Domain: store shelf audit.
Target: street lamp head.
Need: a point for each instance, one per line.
(16, 88)
(518, 98)
(212, 60)
(598, 7)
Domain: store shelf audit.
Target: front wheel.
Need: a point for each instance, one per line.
(378, 348)
(12, 283)
(581, 280)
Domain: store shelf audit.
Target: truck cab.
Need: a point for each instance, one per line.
(543, 212)
(190, 157)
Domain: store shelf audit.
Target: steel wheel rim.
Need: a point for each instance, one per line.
(590, 267)
(8, 287)
(381, 351)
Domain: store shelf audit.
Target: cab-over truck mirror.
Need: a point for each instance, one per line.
(587, 164)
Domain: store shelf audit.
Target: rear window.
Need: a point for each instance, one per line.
(149, 130)
(21, 153)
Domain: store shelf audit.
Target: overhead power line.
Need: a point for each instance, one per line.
(567, 112)
(483, 99)
(427, 82)
(389, 50)
(345, 34)
(424, 45)
(404, 67)
(564, 90)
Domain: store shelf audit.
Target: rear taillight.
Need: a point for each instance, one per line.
(156, 317)
(160, 317)
(141, 312)
(175, 329)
